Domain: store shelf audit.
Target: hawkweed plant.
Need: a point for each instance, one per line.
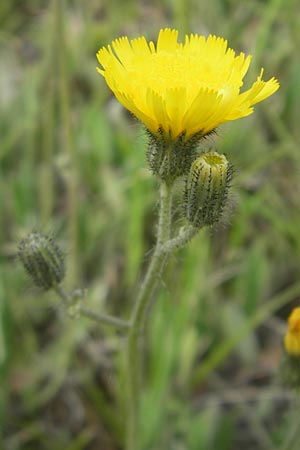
(181, 92)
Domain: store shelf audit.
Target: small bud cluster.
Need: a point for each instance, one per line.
(207, 175)
(206, 189)
(42, 259)
(169, 159)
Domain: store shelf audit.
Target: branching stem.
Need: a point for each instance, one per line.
(87, 312)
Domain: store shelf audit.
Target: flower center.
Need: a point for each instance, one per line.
(214, 159)
(173, 71)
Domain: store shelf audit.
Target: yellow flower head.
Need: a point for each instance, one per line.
(292, 336)
(176, 88)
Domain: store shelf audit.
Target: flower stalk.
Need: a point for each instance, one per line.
(185, 234)
(144, 296)
(76, 308)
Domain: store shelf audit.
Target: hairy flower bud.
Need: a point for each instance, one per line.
(206, 189)
(171, 158)
(42, 259)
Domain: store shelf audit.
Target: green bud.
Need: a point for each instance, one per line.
(42, 259)
(169, 158)
(206, 189)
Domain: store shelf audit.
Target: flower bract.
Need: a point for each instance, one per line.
(206, 189)
(189, 87)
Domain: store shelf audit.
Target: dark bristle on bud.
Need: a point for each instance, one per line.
(206, 189)
(42, 259)
(168, 158)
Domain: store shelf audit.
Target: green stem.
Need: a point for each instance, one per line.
(184, 236)
(103, 318)
(89, 313)
(144, 296)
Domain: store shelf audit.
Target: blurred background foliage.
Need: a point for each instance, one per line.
(72, 164)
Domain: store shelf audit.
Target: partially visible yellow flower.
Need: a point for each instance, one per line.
(292, 336)
(176, 88)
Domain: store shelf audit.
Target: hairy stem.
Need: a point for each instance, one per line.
(184, 236)
(103, 319)
(144, 296)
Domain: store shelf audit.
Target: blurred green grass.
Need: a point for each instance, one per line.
(72, 163)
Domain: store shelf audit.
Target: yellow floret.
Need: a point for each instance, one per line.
(189, 87)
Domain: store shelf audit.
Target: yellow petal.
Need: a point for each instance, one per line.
(191, 87)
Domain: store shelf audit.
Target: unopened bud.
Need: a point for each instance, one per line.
(42, 259)
(206, 189)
